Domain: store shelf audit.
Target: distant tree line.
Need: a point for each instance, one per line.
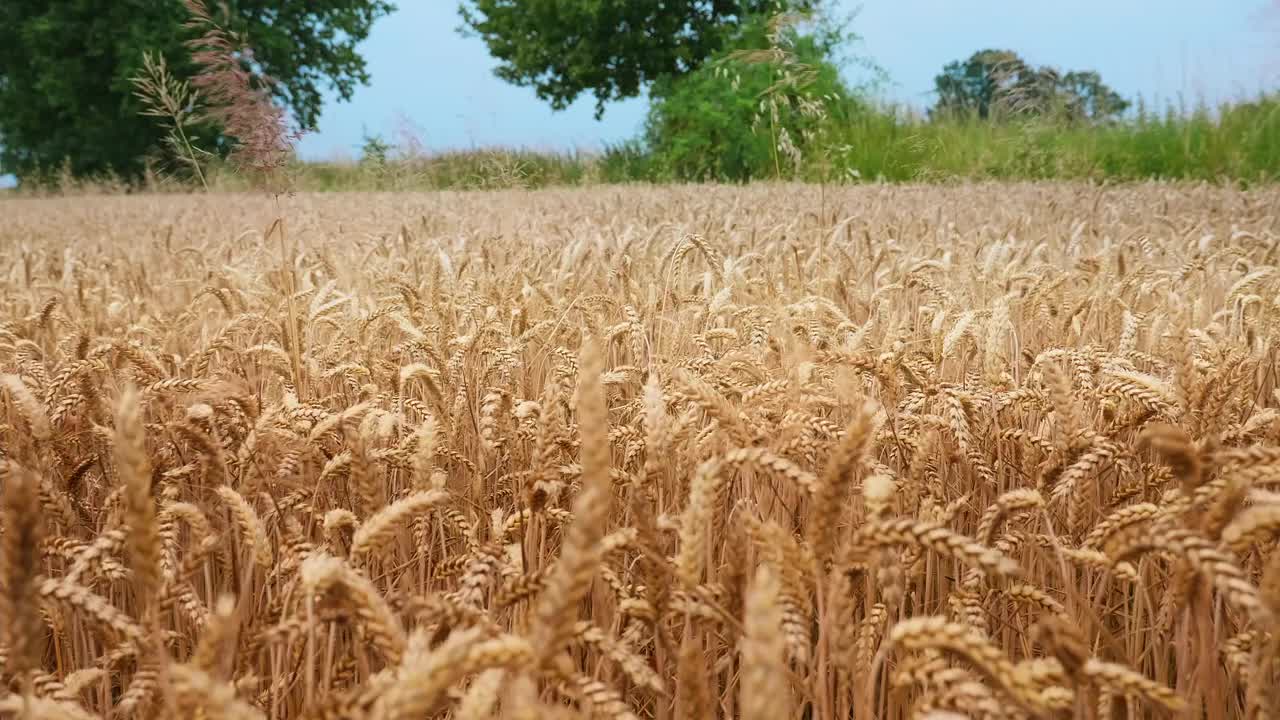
(998, 84)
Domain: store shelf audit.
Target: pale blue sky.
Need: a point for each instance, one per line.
(430, 82)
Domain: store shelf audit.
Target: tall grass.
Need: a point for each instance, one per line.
(865, 142)
(1236, 142)
(483, 169)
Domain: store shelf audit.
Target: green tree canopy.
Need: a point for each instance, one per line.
(65, 69)
(999, 84)
(611, 48)
(1090, 97)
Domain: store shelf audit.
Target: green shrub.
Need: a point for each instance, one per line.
(754, 112)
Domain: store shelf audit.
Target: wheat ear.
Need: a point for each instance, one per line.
(764, 691)
(557, 606)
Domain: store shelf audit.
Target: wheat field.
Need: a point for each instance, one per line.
(986, 451)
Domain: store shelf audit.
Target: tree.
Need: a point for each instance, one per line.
(976, 85)
(612, 48)
(65, 71)
(998, 84)
(1090, 98)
